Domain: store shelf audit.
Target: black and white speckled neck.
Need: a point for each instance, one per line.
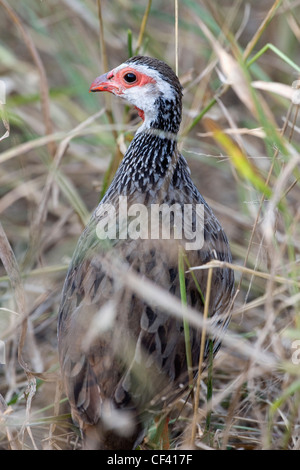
(168, 116)
(147, 162)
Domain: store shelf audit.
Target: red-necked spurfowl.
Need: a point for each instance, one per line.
(123, 358)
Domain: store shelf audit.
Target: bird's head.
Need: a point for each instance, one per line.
(151, 86)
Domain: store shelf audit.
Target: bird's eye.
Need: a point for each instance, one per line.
(130, 77)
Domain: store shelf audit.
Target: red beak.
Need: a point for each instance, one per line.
(102, 83)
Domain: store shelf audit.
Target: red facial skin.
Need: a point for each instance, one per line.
(116, 84)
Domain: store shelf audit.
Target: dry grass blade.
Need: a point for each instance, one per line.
(176, 38)
(12, 269)
(105, 64)
(243, 269)
(263, 198)
(240, 161)
(279, 88)
(143, 27)
(235, 76)
(261, 29)
(31, 145)
(233, 73)
(279, 191)
(11, 266)
(201, 357)
(258, 132)
(4, 412)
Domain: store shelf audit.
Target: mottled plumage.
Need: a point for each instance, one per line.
(122, 358)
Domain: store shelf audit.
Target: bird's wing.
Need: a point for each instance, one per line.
(111, 340)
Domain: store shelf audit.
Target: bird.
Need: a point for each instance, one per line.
(123, 356)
